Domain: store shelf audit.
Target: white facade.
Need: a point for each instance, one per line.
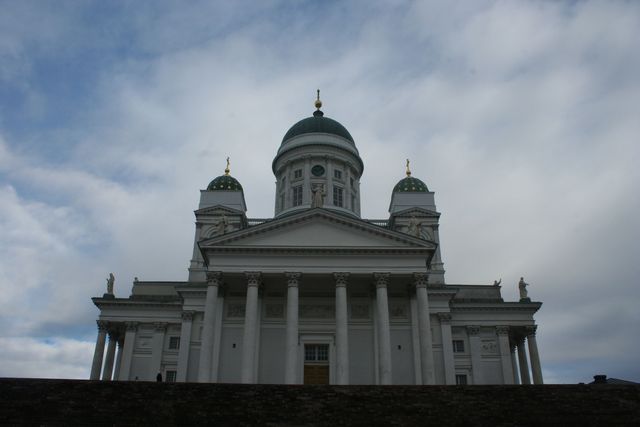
(317, 294)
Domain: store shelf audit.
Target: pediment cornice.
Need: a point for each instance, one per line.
(234, 240)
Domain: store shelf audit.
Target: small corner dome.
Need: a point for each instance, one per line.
(224, 183)
(318, 124)
(410, 185)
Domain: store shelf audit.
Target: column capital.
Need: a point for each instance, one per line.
(381, 279)
(131, 326)
(473, 330)
(502, 330)
(341, 279)
(103, 325)
(445, 318)
(254, 278)
(114, 334)
(187, 316)
(420, 280)
(531, 330)
(214, 278)
(293, 278)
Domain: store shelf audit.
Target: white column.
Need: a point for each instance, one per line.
(127, 352)
(214, 280)
(157, 347)
(98, 353)
(447, 349)
(534, 356)
(249, 338)
(384, 335)
(424, 325)
(505, 354)
(291, 355)
(522, 362)
(185, 346)
(514, 364)
(218, 336)
(415, 337)
(342, 331)
(475, 344)
(107, 371)
(116, 370)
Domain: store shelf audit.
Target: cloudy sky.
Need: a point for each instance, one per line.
(523, 117)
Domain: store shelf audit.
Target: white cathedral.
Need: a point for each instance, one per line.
(316, 294)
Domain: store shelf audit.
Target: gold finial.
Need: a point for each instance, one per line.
(318, 102)
(408, 170)
(227, 170)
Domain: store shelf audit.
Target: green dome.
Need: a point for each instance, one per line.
(318, 124)
(224, 183)
(410, 184)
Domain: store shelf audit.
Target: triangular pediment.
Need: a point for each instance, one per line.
(218, 210)
(417, 212)
(317, 228)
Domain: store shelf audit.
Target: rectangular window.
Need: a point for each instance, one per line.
(458, 346)
(171, 376)
(174, 343)
(282, 201)
(297, 173)
(316, 352)
(337, 197)
(297, 195)
(337, 174)
(351, 182)
(461, 379)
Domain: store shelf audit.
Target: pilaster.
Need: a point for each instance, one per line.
(185, 346)
(475, 344)
(505, 354)
(447, 348)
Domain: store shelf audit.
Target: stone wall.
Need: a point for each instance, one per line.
(75, 402)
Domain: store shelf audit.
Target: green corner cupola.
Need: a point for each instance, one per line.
(410, 184)
(225, 182)
(224, 190)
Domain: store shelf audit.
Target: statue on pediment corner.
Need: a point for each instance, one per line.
(110, 281)
(522, 287)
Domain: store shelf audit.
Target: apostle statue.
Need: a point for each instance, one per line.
(318, 196)
(497, 282)
(110, 281)
(222, 225)
(522, 287)
(414, 227)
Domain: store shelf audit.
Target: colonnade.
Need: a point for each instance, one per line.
(291, 376)
(521, 373)
(511, 340)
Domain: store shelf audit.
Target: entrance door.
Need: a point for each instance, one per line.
(316, 364)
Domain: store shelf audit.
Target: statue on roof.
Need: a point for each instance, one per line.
(497, 282)
(110, 281)
(522, 287)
